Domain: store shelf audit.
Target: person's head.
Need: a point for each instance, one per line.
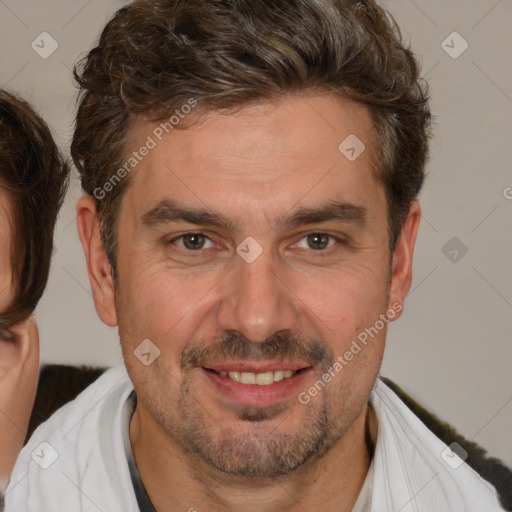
(33, 180)
(266, 129)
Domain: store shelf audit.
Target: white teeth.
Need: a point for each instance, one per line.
(259, 379)
(264, 379)
(278, 375)
(247, 378)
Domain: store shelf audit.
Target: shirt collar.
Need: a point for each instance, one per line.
(363, 501)
(143, 500)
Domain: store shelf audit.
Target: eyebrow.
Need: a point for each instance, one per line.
(171, 211)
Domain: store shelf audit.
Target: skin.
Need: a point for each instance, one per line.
(194, 446)
(19, 361)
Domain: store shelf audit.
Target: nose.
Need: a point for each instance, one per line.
(257, 301)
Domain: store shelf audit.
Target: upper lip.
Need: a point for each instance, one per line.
(256, 367)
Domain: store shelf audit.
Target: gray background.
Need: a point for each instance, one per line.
(452, 348)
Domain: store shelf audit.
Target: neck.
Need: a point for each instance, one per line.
(172, 475)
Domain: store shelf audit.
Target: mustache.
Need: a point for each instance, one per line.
(281, 345)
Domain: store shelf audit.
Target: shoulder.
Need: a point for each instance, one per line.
(57, 385)
(419, 469)
(77, 448)
(87, 409)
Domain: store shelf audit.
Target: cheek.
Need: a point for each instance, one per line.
(346, 302)
(346, 312)
(157, 304)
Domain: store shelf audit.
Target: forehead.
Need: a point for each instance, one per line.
(5, 250)
(5, 218)
(287, 152)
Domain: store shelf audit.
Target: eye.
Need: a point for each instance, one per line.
(6, 335)
(317, 241)
(193, 241)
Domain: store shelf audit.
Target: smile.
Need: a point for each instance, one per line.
(257, 379)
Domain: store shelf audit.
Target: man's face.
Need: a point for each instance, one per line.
(250, 243)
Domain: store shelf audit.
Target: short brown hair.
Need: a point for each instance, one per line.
(35, 177)
(153, 56)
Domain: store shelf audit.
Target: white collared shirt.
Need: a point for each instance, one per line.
(76, 461)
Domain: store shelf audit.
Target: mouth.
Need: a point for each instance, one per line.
(257, 385)
(256, 379)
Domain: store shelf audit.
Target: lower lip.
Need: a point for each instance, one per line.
(252, 394)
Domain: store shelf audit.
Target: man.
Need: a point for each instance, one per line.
(33, 181)
(251, 172)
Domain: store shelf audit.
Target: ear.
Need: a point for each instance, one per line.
(98, 266)
(19, 363)
(401, 270)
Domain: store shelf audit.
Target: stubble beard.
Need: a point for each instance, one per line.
(256, 447)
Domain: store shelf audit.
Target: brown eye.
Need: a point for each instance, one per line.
(318, 241)
(192, 241)
(6, 335)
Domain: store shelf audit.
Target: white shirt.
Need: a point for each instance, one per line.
(76, 461)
